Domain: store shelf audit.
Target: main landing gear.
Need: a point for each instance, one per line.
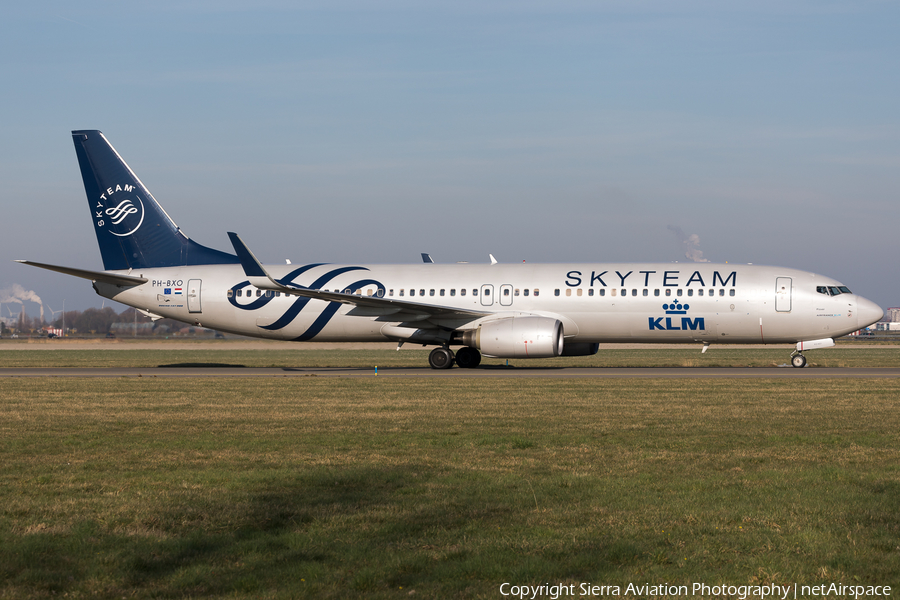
(440, 358)
(468, 357)
(443, 358)
(798, 360)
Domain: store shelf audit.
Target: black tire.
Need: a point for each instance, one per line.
(798, 361)
(468, 358)
(440, 358)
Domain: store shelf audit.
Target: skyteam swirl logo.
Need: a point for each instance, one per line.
(127, 214)
(123, 211)
(300, 302)
(118, 213)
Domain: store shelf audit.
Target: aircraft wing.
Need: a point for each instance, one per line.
(104, 276)
(364, 306)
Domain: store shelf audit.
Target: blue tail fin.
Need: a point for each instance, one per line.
(132, 228)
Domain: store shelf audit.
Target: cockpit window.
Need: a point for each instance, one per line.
(833, 290)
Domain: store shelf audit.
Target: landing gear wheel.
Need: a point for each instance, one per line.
(798, 360)
(468, 358)
(440, 358)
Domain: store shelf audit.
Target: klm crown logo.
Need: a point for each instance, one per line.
(676, 308)
(687, 323)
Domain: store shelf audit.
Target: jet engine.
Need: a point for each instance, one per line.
(517, 337)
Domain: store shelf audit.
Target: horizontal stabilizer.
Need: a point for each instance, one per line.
(104, 276)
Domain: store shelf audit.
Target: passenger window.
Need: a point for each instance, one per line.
(525, 292)
(430, 292)
(422, 292)
(412, 292)
(656, 292)
(258, 293)
(506, 291)
(556, 292)
(516, 293)
(612, 292)
(690, 292)
(537, 292)
(475, 292)
(668, 291)
(569, 292)
(442, 292)
(453, 292)
(721, 292)
(731, 292)
(602, 291)
(369, 292)
(462, 292)
(591, 292)
(239, 293)
(634, 292)
(646, 292)
(678, 292)
(700, 292)
(229, 293)
(401, 293)
(391, 292)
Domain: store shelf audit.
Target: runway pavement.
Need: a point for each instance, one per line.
(194, 370)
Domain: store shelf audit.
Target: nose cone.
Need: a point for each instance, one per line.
(867, 312)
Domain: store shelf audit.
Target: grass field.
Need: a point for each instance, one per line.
(329, 487)
(121, 356)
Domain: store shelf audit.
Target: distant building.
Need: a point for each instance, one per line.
(893, 315)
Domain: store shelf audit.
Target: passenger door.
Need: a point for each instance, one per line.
(782, 294)
(193, 295)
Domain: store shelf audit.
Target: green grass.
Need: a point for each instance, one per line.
(887, 356)
(329, 487)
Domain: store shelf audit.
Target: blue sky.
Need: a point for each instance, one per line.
(547, 132)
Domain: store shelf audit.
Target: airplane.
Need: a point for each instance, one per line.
(518, 310)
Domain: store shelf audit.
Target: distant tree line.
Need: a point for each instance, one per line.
(97, 321)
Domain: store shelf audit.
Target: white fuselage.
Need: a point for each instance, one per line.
(656, 302)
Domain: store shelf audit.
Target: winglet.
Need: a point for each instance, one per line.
(252, 267)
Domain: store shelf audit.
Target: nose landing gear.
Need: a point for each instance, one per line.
(798, 360)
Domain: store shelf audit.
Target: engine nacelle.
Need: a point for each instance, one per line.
(518, 337)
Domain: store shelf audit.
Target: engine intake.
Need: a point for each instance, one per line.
(517, 337)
